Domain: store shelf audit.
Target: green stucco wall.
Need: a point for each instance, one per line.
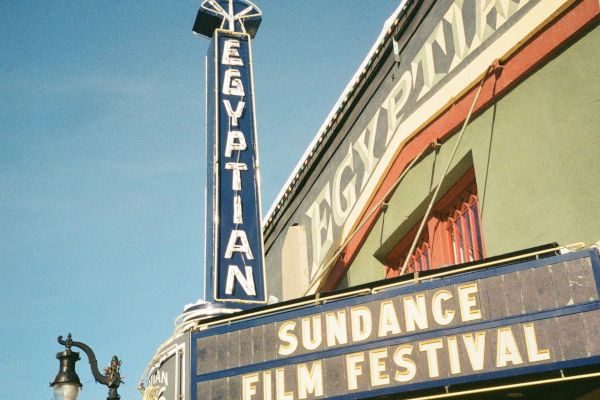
(536, 157)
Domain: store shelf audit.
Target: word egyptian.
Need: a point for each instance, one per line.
(459, 36)
(236, 142)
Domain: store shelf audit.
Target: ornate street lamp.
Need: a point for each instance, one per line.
(66, 385)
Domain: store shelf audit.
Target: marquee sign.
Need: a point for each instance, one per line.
(235, 268)
(511, 320)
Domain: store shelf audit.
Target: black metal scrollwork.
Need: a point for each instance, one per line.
(112, 375)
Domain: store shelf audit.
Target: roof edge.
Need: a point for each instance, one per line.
(332, 116)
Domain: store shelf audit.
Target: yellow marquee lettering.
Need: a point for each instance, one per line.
(415, 312)
(311, 338)
(430, 347)
(475, 346)
(377, 367)
(290, 340)
(280, 386)
(468, 302)
(310, 381)
(507, 350)
(534, 354)
(442, 317)
(453, 354)
(362, 323)
(335, 325)
(408, 368)
(249, 386)
(388, 321)
(267, 385)
(354, 369)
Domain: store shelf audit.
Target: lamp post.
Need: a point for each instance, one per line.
(66, 385)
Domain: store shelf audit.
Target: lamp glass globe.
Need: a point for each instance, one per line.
(66, 391)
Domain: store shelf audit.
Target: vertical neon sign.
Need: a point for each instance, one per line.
(234, 244)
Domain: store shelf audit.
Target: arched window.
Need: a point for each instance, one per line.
(464, 230)
(420, 260)
(452, 234)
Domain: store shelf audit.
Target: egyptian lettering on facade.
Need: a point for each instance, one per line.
(463, 30)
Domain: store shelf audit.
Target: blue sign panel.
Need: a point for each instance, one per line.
(516, 319)
(234, 247)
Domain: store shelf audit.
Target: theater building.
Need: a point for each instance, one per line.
(439, 237)
(524, 171)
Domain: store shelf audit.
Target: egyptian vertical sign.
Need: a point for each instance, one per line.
(234, 251)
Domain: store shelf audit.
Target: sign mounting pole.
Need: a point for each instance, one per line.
(234, 267)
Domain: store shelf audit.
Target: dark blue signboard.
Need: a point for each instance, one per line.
(234, 247)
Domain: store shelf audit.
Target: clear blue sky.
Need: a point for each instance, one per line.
(102, 163)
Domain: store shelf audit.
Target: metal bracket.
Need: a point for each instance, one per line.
(112, 377)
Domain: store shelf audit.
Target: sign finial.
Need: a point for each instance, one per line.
(232, 15)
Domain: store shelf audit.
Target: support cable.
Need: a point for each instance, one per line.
(495, 65)
(367, 216)
(492, 67)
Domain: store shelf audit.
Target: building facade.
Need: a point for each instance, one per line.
(525, 158)
(439, 238)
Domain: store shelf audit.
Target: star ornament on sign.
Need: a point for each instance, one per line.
(232, 15)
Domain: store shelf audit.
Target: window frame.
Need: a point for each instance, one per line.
(437, 235)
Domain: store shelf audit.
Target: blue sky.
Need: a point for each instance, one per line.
(102, 163)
